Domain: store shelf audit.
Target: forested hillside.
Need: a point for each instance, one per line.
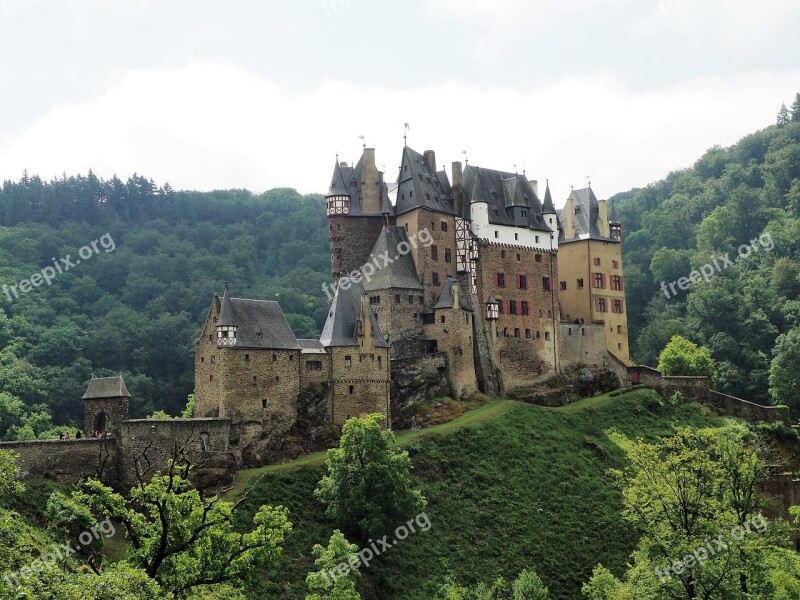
(135, 304)
(746, 311)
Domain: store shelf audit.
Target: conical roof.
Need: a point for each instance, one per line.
(225, 318)
(548, 207)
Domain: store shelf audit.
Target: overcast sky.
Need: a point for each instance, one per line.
(260, 94)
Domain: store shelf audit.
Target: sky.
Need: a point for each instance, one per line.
(262, 94)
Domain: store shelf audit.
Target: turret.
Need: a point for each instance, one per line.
(226, 326)
(338, 198)
(549, 210)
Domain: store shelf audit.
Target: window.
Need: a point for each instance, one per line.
(524, 213)
(616, 283)
(274, 357)
(537, 239)
(527, 334)
(397, 298)
(255, 380)
(264, 403)
(597, 261)
(444, 225)
(277, 378)
(519, 258)
(580, 284)
(428, 318)
(374, 300)
(516, 332)
(422, 299)
(523, 282)
(599, 280)
(313, 365)
(617, 307)
(433, 224)
(538, 258)
(619, 328)
(619, 346)
(379, 361)
(546, 284)
(246, 358)
(448, 255)
(411, 299)
(615, 264)
(441, 318)
(496, 234)
(434, 253)
(502, 253)
(601, 305)
(516, 236)
(500, 280)
(547, 335)
(563, 286)
(501, 307)
(348, 361)
(352, 388)
(211, 338)
(291, 357)
(512, 307)
(526, 308)
(213, 359)
(435, 278)
(211, 378)
(202, 359)
(505, 331)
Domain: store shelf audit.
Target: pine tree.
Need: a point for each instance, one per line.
(796, 108)
(783, 116)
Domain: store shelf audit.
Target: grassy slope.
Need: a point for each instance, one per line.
(519, 487)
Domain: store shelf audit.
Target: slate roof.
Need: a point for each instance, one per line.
(346, 181)
(341, 327)
(504, 193)
(401, 272)
(225, 312)
(446, 297)
(311, 346)
(106, 387)
(261, 324)
(547, 206)
(420, 187)
(585, 216)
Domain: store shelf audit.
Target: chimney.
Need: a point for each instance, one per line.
(535, 185)
(457, 175)
(430, 160)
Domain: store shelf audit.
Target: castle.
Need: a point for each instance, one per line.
(472, 281)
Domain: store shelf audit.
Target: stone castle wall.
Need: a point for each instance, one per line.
(66, 461)
(581, 344)
(351, 241)
(355, 388)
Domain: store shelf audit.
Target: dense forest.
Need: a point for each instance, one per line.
(135, 304)
(747, 313)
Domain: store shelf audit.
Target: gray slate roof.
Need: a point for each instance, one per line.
(311, 346)
(585, 216)
(225, 312)
(446, 297)
(341, 327)
(508, 195)
(401, 272)
(346, 181)
(106, 387)
(261, 324)
(420, 187)
(547, 206)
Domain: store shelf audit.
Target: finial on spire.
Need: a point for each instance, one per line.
(405, 134)
(466, 158)
(363, 143)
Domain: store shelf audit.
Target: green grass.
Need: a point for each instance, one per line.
(509, 486)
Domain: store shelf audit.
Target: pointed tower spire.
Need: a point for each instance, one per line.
(548, 207)
(226, 326)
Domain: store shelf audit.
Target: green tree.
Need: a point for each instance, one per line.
(682, 357)
(337, 572)
(796, 108)
(784, 118)
(683, 491)
(784, 373)
(529, 586)
(183, 540)
(368, 489)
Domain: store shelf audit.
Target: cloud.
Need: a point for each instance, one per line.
(211, 126)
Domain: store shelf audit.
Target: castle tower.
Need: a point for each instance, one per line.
(614, 225)
(358, 207)
(226, 326)
(549, 210)
(105, 405)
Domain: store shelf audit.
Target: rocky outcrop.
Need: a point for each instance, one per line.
(573, 384)
(416, 380)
